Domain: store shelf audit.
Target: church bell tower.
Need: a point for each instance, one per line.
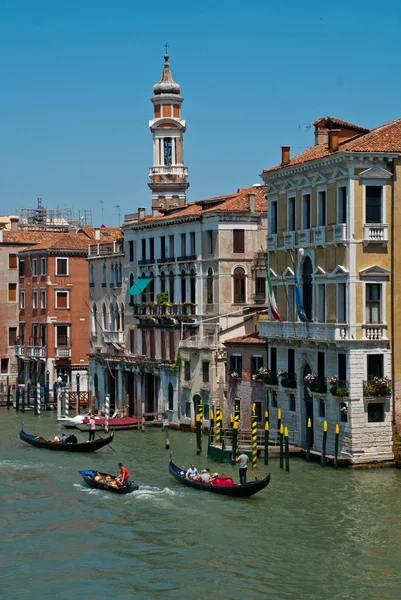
(168, 176)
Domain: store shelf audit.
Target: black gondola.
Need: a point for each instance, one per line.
(236, 491)
(102, 484)
(79, 447)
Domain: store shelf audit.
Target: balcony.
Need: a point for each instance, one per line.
(176, 170)
(259, 298)
(374, 332)
(165, 259)
(187, 384)
(272, 241)
(378, 387)
(37, 351)
(19, 351)
(197, 341)
(63, 351)
(340, 232)
(113, 337)
(205, 386)
(319, 236)
(289, 239)
(375, 233)
(106, 248)
(187, 258)
(164, 310)
(147, 261)
(304, 237)
(304, 331)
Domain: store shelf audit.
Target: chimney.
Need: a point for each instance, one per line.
(333, 139)
(141, 214)
(1, 235)
(285, 155)
(14, 223)
(252, 202)
(97, 233)
(321, 133)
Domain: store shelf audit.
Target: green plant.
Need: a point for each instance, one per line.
(372, 389)
(317, 388)
(271, 378)
(162, 298)
(289, 382)
(341, 392)
(176, 366)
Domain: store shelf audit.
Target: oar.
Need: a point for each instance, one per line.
(259, 478)
(108, 445)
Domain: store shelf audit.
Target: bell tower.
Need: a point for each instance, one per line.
(168, 176)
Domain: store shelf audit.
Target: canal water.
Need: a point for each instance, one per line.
(324, 534)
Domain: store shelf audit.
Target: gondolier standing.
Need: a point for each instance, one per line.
(242, 461)
(92, 428)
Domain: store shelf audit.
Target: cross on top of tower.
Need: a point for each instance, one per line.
(166, 47)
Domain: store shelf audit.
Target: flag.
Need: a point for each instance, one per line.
(272, 300)
(300, 307)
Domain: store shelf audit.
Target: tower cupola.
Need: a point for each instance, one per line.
(166, 85)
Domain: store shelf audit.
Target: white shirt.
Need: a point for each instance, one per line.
(192, 472)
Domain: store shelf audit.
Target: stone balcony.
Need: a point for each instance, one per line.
(196, 341)
(375, 233)
(19, 351)
(319, 236)
(116, 337)
(163, 310)
(374, 332)
(289, 239)
(340, 232)
(36, 351)
(63, 351)
(304, 237)
(303, 331)
(272, 241)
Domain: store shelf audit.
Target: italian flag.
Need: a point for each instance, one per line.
(272, 300)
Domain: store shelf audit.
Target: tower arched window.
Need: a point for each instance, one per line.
(112, 325)
(94, 320)
(193, 286)
(171, 287)
(168, 151)
(239, 286)
(117, 314)
(307, 289)
(104, 316)
(183, 287)
(209, 286)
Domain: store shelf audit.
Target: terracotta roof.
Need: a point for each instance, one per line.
(237, 202)
(249, 338)
(65, 241)
(17, 236)
(328, 120)
(106, 233)
(385, 138)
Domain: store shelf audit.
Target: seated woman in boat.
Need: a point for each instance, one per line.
(72, 439)
(221, 479)
(39, 438)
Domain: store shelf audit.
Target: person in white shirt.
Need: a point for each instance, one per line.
(192, 472)
(204, 476)
(242, 461)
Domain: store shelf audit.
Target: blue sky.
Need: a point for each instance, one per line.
(76, 78)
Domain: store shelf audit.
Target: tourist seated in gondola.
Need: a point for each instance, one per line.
(54, 438)
(63, 438)
(192, 472)
(204, 477)
(221, 479)
(96, 476)
(39, 438)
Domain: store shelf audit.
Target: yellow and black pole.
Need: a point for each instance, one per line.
(287, 450)
(254, 437)
(211, 429)
(336, 445)
(218, 424)
(308, 439)
(266, 438)
(281, 446)
(234, 447)
(200, 426)
(278, 420)
(324, 444)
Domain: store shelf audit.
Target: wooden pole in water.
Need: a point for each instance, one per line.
(266, 441)
(281, 446)
(28, 395)
(67, 400)
(218, 424)
(106, 412)
(22, 399)
(167, 437)
(323, 462)
(17, 393)
(39, 407)
(279, 420)
(234, 446)
(35, 401)
(308, 439)
(336, 445)
(8, 396)
(200, 418)
(254, 437)
(287, 450)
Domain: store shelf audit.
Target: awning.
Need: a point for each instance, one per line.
(139, 286)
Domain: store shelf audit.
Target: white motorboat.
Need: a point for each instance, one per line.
(72, 422)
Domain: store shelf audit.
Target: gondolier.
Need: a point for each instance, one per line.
(92, 428)
(242, 461)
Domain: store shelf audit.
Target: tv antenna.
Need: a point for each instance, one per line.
(117, 206)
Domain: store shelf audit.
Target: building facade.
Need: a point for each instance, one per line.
(333, 226)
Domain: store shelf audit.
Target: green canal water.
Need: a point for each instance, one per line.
(325, 534)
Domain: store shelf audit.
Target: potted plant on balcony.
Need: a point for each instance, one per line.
(234, 376)
(380, 386)
(260, 375)
(287, 381)
(271, 378)
(162, 301)
(314, 385)
(177, 364)
(336, 387)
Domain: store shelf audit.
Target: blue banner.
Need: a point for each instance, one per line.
(300, 307)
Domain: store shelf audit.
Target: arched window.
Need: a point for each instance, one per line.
(162, 281)
(209, 286)
(112, 280)
(104, 276)
(112, 326)
(183, 287)
(131, 283)
(193, 286)
(170, 396)
(104, 316)
(307, 291)
(171, 287)
(122, 314)
(91, 276)
(117, 313)
(94, 320)
(239, 286)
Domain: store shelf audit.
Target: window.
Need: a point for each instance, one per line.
(342, 367)
(206, 409)
(183, 287)
(163, 349)
(171, 246)
(188, 409)
(192, 286)
(292, 403)
(62, 299)
(239, 241)
(152, 344)
(104, 317)
(341, 303)
(322, 408)
(273, 217)
(260, 288)
(42, 298)
(343, 413)
(274, 399)
(321, 365)
(236, 364)
(4, 365)
(256, 363)
(132, 341)
(152, 248)
(187, 370)
(321, 209)
(291, 362)
(239, 286)
(192, 244)
(291, 214)
(42, 339)
(34, 267)
(375, 366)
(61, 266)
(374, 194)
(171, 287)
(12, 336)
(209, 242)
(306, 216)
(12, 292)
(170, 397)
(209, 286)
(21, 268)
(205, 371)
(307, 288)
(34, 339)
(273, 360)
(291, 316)
(94, 320)
(375, 412)
(342, 204)
(43, 266)
(62, 335)
(183, 244)
(144, 344)
(143, 247)
(22, 333)
(321, 303)
(12, 261)
(131, 250)
(91, 276)
(172, 345)
(373, 303)
(22, 299)
(112, 275)
(167, 150)
(131, 301)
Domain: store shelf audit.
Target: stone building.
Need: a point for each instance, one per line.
(333, 223)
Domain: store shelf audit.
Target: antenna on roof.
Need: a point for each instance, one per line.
(117, 206)
(308, 126)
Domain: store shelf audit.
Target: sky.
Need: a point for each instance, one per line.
(77, 76)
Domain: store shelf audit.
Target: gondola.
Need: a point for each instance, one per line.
(235, 491)
(79, 447)
(102, 484)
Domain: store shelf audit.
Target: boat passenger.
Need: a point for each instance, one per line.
(192, 472)
(55, 438)
(213, 477)
(63, 438)
(96, 476)
(123, 477)
(204, 477)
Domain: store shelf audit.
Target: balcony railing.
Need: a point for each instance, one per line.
(37, 351)
(377, 387)
(187, 384)
(304, 331)
(176, 170)
(340, 232)
(63, 351)
(187, 258)
(106, 248)
(147, 261)
(259, 298)
(162, 310)
(374, 332)
(116, 337)
(375, 233)
(197, 341)
(19, 351)
(289, 238)
(166, 259)
(205, 386)
(272, 241)
(304, 237)
(319, 235)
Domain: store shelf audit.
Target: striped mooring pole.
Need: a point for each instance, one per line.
(324, 444)
(254, 438)
(218, 424)
(337, 439)
(211, 429)
(266, 441)
(17, 393)
(281, 446)
(234, 447)
(28, 395)
(35, 400)
(308, 439)
(8, 396)
(106, 412)
(237, 410)
(287, 450)
(279, 420)
(199, 426)
(66, 401)
(38, 400)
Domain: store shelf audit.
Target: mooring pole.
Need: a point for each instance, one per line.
(323, 462)
(287, 450)
(38, 400)
(254, 437)
(17, 393)
(281, 446)
(218, 424)
(337, 439)
(78, 407)
(66, 400)
(35, 400)
(266, 442)
(279, 420)
(308, 439)
(234, 444)
(106, 412)
(8, 396)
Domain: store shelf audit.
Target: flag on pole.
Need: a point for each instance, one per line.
(272, 300)
(300, 306)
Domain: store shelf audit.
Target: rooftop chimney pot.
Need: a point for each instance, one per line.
(252, 202)
(285, 155)
(97, 233)
(141, 214)
(333, 139)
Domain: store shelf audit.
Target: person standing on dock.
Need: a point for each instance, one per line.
(242, 461)
(92, 427)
